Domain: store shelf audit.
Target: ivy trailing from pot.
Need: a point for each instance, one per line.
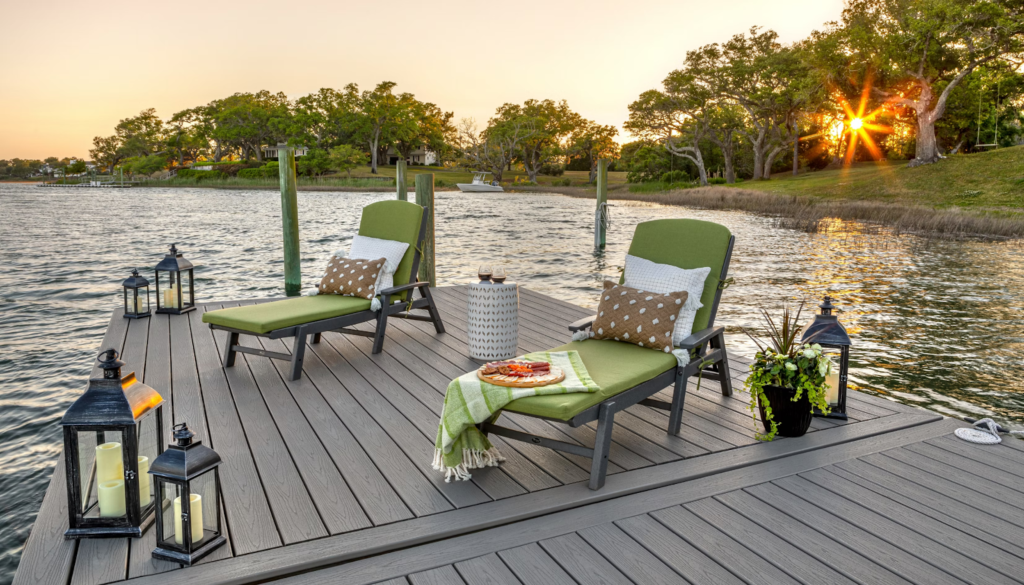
(787, 379)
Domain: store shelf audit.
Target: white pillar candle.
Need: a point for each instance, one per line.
(832, 379)
(196, 518)
(111, 497)
(109, 465)
(144, 496)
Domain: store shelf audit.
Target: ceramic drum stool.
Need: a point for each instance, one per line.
(493, 324)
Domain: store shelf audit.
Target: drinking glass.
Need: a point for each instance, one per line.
(498, 274)
(484, 272)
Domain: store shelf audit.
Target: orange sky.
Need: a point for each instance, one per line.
(72, 70)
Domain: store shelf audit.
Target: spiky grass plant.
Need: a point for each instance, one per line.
(785, 362)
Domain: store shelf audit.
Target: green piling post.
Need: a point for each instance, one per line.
(425, 198)
(290, 221)
(600, 236)
(403, 190)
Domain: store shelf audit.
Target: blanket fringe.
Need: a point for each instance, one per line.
(471, 459)
(375, 304)
(581, 335)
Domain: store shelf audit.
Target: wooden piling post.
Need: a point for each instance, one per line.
(425, 198)
(290, 221)
(600, 237)
(403, 190)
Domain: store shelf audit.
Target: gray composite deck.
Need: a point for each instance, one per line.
(336, 466)
(911, 506)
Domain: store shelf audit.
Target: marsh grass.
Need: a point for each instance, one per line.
(817, 215)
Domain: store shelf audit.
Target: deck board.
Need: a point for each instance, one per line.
(335, 467)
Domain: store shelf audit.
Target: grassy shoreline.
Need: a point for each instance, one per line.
(813, 215)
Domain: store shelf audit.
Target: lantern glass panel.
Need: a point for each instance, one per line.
(171, 524)
(148, 436)
(168, 285)
(184, 286)
(832, 379)
(205, 486)
(101, 460)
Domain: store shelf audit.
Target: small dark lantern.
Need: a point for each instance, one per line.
(111, 435)
(178, 295)
(829, 333)
(187, 482)
(136, 296)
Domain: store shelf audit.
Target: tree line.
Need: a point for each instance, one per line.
(929, 76)
(348, 127)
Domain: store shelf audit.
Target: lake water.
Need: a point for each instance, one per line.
(938, 324)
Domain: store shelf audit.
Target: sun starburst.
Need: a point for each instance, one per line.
(859, 124)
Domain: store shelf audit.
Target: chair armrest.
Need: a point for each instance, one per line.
(400, 289)
(700, 337)
(583, 323)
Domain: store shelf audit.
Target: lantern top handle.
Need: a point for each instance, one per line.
(826, 306)
(174, 260)
(110, 364)
(183, 435)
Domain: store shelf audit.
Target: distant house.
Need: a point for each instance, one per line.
(420, 156)
(271, 151)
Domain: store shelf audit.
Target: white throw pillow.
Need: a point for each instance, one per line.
(366, 248)
(650, 276)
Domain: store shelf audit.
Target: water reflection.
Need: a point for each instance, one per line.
(935, 323)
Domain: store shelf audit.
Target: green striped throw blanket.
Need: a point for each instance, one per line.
(469, 401)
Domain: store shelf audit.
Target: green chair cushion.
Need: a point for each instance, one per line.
(398, 221)
(267, 317)
(614, 365)
(688, 244)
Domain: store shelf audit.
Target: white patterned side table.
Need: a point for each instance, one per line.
(493, 324)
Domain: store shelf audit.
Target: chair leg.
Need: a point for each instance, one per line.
(298, 352)
(725, 377)
(229, 350)
(602, 444)
(675, 418)
(382, 324)
(316, 338)
(435, 315)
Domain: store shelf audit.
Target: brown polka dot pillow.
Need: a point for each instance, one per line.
(351, 277)
(634, 316)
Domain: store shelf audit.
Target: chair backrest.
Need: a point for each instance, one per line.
(688, 244)
(401, 221)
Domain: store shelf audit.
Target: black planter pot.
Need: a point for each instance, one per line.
(792, 418)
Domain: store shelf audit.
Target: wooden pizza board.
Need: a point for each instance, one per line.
(555, 376)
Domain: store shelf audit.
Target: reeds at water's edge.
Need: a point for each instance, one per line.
(814, 215)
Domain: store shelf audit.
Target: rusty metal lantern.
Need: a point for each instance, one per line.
(178, 296)
(111, 435)
(187, 482)
(136, 296)
(829, 333)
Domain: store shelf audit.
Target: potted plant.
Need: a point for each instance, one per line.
(787, 379)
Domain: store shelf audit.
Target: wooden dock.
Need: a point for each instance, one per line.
(328, 479)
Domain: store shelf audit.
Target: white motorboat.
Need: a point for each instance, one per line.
(479, 185)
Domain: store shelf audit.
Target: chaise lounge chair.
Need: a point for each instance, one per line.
(629, 374)
(300, 317)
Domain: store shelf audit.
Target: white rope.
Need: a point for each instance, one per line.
(606, 217)
(984, 432)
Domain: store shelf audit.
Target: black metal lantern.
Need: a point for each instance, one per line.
(829, 333)
(111, 435)
(178, 295)
(136, 296)
(188, 486)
